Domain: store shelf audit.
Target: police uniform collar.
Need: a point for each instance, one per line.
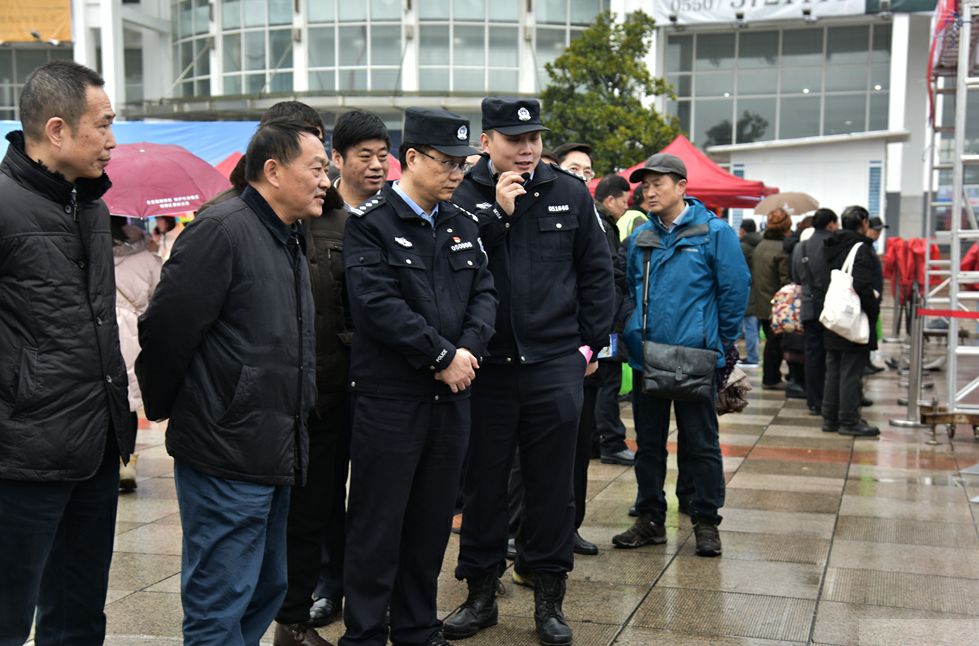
(404, 210)
(483, 173)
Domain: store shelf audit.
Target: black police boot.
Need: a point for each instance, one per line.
(479, 610)
(552, 627)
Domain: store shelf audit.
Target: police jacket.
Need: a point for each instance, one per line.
(698, 284)
(416, 294)
(551, 265)
(62, 377)
(228, 348)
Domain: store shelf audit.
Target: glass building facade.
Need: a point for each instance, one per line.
(377, 47)
(745, 86)
(16, 64)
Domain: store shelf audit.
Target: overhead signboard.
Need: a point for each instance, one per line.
(27, 21)
(698, 12)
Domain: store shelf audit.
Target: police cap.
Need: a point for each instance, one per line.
(511, 115)
(444, 131)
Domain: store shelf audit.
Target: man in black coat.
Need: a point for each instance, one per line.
(64, 414)
(845, 360)
(423, 305)
(551, 265)
(238, 382)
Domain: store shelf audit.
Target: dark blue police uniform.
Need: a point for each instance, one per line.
(553, 272)
(417, 292)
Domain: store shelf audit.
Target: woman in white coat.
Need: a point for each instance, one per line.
(137, 275)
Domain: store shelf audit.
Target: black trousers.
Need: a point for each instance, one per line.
(843, 387)
(405, 463)
(536, 408)
(55, 550)
(698, 446)
(312, 509)
(772, 359)
(582, 452)
(609, 429)
(815, 363)
(330, 581)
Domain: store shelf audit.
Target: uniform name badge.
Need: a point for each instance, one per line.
(612, 349)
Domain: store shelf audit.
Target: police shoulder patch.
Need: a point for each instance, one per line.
(465, 212)
(370, 205)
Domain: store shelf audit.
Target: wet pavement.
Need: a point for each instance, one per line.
(827, 540)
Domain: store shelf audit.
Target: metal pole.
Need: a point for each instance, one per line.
(913, 418)
(958, 181)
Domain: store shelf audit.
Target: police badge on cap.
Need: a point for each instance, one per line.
(444, 131)
(511, 115)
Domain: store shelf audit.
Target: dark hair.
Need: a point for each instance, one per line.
(748, 225)
(564, 150)
(356, 126)
(637, 197)
(57, 89)
(853, 217)
(405, 147)
(116, 224)
(804, 224)
(295, 111)
(611, 186)
(278, 139)
(823, 217)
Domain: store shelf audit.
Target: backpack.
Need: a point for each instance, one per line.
(786, 310)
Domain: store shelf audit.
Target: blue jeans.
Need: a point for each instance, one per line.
(750, 328)
(233, 568)
(697, 434)
(55, 549)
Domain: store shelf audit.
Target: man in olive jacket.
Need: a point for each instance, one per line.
(64, 414)
(237, 383)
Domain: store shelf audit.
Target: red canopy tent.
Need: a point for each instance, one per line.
(707, 181)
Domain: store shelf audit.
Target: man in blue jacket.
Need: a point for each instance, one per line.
(698, 289)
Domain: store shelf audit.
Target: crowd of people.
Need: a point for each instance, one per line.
(824, 368)
(453, 342)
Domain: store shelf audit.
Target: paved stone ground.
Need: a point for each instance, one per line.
(827, 540)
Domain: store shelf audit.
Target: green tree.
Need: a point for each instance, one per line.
(596, 89)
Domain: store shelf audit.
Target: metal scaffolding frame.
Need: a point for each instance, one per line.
(946, 287)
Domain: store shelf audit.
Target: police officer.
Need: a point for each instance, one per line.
(423, 305)
(552, 268)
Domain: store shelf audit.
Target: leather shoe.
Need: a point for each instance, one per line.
(438, 639)
(297, 635)
(633, 512)
(324, 612)
(794, 391)
(860, 429)
(583, 547)
(864, 402)
(625, 457)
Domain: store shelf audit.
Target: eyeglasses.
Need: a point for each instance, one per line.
(449, 165)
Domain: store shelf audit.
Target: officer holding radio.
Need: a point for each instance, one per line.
(553, 271)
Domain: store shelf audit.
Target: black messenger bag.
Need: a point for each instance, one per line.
(672, 371)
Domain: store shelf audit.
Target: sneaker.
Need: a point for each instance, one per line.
(643, 532)
(708, 539)
(625, 457)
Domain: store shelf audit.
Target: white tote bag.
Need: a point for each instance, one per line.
(841, 310)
